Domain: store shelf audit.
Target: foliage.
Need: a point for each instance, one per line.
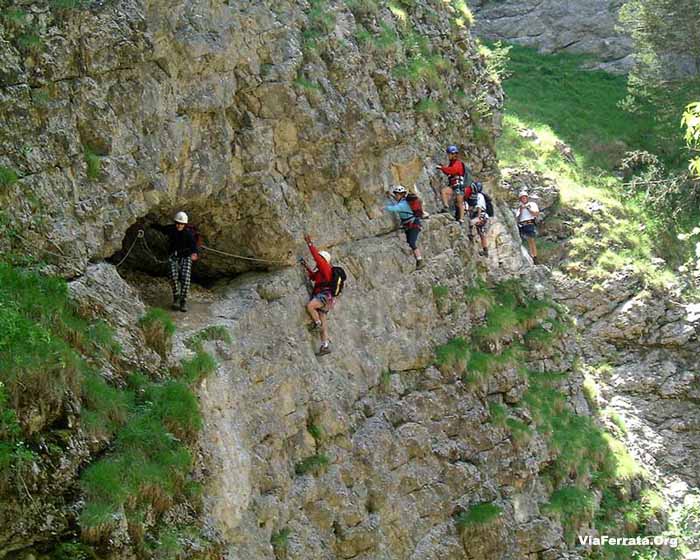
(691, 122)
(197, 367)
(93, 163)
(158, 329)
(212, 332)
(478, 514)
(8, 176)
(313, 464)
(280, 539)
(573, 506)
(454, 354)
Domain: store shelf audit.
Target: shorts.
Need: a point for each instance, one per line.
(527, 231)
(327, 300)
(481, 224)
(412, 237)
(458, 189)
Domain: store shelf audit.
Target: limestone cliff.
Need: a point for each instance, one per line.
(558, 26)
(422, 436)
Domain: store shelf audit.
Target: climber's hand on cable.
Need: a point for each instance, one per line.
(194, 257)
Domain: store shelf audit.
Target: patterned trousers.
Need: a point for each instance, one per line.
(180, 275)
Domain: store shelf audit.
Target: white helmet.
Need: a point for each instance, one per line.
(326, 255)
(181, 218)
(523, 193)
(398, 189)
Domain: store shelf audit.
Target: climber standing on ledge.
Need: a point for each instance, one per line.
(322, 300)
(458, 178)
(526, 214)
(183, 251)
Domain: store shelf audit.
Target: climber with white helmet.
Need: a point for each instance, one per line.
(458, 181)
(526, 214)
(322, 296)
(410, 211)
(182, 252)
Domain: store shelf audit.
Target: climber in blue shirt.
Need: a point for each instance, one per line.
(410, 211)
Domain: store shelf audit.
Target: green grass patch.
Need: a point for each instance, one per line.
(616, 419)
(453, 355)
(573, 506)
(479, 514)
(198, 367)
(8, 176)
(280, 539)
(440, 292)
(316, 432)
(429, 107)
(498, 414)
(520, 431)
(158, 328)
(591, 392)
(306, 84)
(93, 163)
(313, 465)
(213, 332)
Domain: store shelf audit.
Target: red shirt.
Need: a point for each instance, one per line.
(323, 273)
(453, 171)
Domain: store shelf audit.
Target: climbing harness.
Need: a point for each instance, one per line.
(142, 236)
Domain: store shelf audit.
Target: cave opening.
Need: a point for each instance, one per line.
(143, 261)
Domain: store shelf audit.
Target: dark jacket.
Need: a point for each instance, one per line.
(182, 243)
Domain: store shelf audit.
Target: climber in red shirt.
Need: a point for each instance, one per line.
(458, 182)
(322, 300)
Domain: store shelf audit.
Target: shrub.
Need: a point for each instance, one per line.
(279, 539)
(498, 414)
(158, 329)
(479, 514)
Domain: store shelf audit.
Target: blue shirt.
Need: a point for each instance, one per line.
(403, 210)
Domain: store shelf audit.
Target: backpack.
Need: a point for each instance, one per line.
(337, 282)
(415, 204)
(198, 237)
(478, 188)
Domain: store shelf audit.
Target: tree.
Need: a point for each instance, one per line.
(665, 33)
(691, 122)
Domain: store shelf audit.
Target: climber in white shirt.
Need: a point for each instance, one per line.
(526, 214)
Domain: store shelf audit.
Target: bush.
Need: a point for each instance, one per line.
(8, 177)
(158, 329)
(214, 332)
(453, 355)
(198, 367)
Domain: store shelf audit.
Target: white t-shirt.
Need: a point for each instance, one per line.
(480, 202)
(528, 212)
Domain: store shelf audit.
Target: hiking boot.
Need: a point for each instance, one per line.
(325, 349)
(535, 261)
(484, 253)
(176, 303)
(420, 264)
(445, 210)
(460, 222)
(183, 307)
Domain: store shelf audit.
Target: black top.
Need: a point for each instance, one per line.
(182, 243)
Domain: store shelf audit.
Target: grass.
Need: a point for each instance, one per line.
(213, 332)
(478, 514)
(573, 506)
(498, 414)
(453, 355)
(591, 392)
(194, 369)
(565, 103)
(429, 107)
(158, 329)
(8, 176)
(313, 465)
(93, 163)
(280, 539)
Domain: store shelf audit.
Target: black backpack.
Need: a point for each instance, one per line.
(477, 188)
(337, 282)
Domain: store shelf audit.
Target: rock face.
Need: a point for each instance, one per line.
(645, 348)
(408, 446)
(558, 26)
(259, 121)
